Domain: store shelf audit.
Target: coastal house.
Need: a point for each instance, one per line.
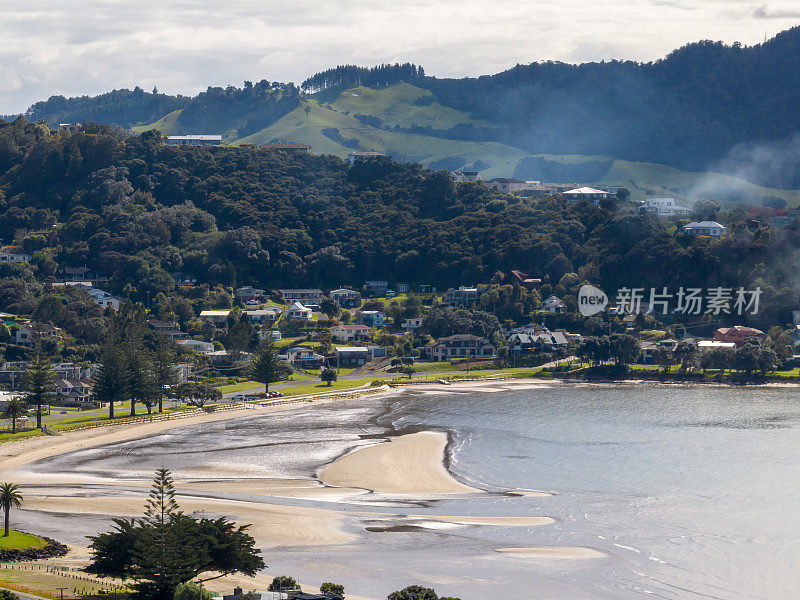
(298, 311)
(304, 358)
(591, 195)
(263, 315)
(426, 288)
(663, 207)
(412, 323)
(465, 176)
(217, 317)
(517, 277)
(352, 356)
(14, 254)
(463, 296)
(71, 392)
(245, 293)
(402, 288)
(29, 332)
(709, 228)
(306, 296)
(459, 346)
(198, 346)
(288, 147)
(506, 184)
(104, 299)
(554, 304)
(194, 140)
(371, 318)
(346, 298)
(375, 289)
(349, 333)
(80, 274)
(737, 334)
(706, 346)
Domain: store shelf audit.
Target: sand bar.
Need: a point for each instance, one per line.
(491, 521)
(575, 552)
(409, 464)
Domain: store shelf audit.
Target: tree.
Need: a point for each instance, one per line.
(8, 595)
(166, 548)
(718, 358)
(747, 358)
(413, 592)
(38, 380)
(282, 582)
(686, 354)
(110, 383)
(191, 591)
(163, 367)
(407, 370)
(334, 589)
(139, 375)
(265, 365)
(624, 348)
(664, 357)
(10, 497)
(328, 375)
(15, 408)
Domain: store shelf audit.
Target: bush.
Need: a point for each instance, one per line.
(283, 582)
(332, 588)
(191, 591)
(8, 595)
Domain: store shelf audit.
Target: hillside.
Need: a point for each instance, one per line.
(706, 107)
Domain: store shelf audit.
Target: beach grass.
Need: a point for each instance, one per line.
(17, 540)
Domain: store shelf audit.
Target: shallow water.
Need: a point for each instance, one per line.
(689, 492)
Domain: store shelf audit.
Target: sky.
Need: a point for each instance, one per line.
(76, 47)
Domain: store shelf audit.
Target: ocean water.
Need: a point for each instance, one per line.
(689, 492)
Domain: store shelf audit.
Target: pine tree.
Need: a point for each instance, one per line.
(110, 384)
(265, 366)
(161, 505)
(163, 367)
(38, 379)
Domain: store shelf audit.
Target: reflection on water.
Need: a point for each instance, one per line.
(691, 492)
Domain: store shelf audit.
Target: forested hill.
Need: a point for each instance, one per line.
(140, 211)
(705, 106)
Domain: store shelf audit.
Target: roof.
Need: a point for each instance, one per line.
(506, 180)
(366, 153)
(286, 146)
(585, 191)
(715, 344)
(462, 337)
(703, 224)
(346, 349)
(215, 313)
(298, 306)
(202, 136)
(352, 327)
(344, 291)
(301, 290)
(740, 329)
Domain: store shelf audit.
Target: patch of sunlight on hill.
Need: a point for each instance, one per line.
(165, 124)
(395, 106)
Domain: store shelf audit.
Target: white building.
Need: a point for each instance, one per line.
(507, 184)
(194, 140)
(104, 299)
(709, 228)
(10, 254)
(412, 323)
(28, 332)
(349, 333)
(554, 304)
(215, 316)
(298, 311)
(664, 207)
(586, 193)
(198, 346)
(704, 346)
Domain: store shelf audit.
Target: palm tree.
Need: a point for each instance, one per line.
(15, 408)
(10, 497)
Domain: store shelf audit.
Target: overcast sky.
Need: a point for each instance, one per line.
(75, 47)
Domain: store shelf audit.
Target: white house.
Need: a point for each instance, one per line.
(349, 333)
(249, 293)
(11, 254)
(412, 323)
(346, 298)
(104, 299)
(586, 193)
(198, 346)
(194, 140)
(27, 332)
(663, 207)
(216, 317)
(709, 228)
(507, 184)
(298, 311)
(554, 304)
(704, 346)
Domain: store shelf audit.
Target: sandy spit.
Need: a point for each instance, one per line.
(553, 552)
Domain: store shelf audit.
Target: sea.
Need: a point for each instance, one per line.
(685, 492)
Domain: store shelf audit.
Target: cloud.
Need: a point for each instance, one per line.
(75, 47)
(765, 12)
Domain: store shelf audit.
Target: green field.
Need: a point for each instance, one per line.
(18, 540)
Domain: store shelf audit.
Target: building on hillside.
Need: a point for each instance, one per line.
(507, 184)
(412, 323)
(352, 356)
(104, 299)
(28, 333)
(737, 334)
(465, 176)
(350, 333)
(346, 298)
(538, 342)
(664, 207)
(184, 279)
(14, 254)
(298, 311)
(709, 228)
(363, 156)
(263, 315)
(305, 296)
(402, 288)
(705, 346)
(371, 318)
(304, 358)
(288, 147)
(245, 293)
(463, 296)
(194, 140)
(69, 127)
(217, 317)
(426, 288)
(198, 346)
(541, 189)
(161, 326)
(589, 194)
(269, 334)
(459, 346)
(80, 274)
(375, 289)
(67, 392)
(517, 277)
(554, 304)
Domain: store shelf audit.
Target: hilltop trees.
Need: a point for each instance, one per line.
(166, 548)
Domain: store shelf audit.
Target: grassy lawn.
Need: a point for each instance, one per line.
(238, 387)
(46, 582)
(18, 540)
(312, 388)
